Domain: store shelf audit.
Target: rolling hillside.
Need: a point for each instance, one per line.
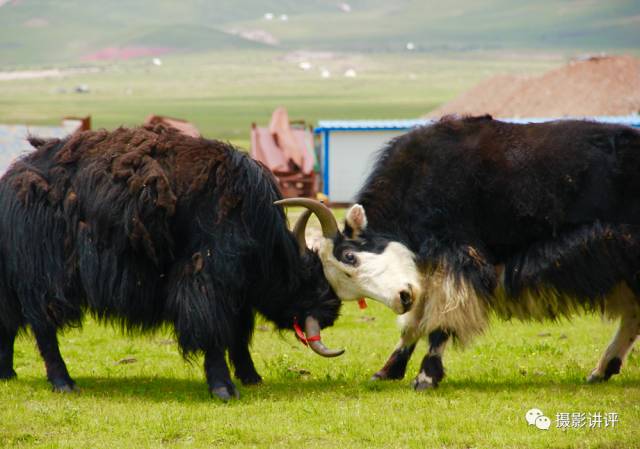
(37, 32)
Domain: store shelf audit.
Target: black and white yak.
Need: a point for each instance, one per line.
(532, 221)
(145, 227)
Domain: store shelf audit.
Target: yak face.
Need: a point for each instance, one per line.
(315, 306)
(359, 264)
(316, 298)
(356, 263)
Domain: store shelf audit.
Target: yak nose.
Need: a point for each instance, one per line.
(406, 299)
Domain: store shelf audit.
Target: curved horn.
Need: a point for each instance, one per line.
(298, 231)
(312, 329)
(324, 214)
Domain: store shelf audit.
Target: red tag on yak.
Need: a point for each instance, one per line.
(362, 303)
(300, 334)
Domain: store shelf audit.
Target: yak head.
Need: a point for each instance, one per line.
(357, 264)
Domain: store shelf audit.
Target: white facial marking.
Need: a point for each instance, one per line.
(380, 277)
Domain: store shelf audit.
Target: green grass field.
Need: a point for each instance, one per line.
(223, 92)
(159, 400)
(306, 401)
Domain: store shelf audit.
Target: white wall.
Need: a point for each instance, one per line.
(352, 153)
(351, 158)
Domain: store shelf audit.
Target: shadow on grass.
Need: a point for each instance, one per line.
(542, 383)
(164, 389)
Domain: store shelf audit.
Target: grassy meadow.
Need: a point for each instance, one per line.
(137, 392)
(222, 93)
(41, 31)
(159, 401)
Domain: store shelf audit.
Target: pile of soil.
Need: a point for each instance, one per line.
(595, 86)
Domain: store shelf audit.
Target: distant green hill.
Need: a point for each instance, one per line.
(36, 32)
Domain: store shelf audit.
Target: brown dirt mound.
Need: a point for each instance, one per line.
(596, 86)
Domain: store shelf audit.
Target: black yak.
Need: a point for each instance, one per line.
(144, 227)
(532, 221)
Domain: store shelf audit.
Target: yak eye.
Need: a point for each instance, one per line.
(349, 258)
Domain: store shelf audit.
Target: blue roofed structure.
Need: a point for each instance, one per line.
(349, 147)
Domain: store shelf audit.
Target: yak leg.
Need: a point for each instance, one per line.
(432, 370)
(218, 378)
(239, 351)
(396, 365)
(615, 354)
(57, 373)
(7, 339)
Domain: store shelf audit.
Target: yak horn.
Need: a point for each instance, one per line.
(298, 231)
(324, 214)
(312, 329)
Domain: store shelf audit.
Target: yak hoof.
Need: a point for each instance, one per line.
(613, 367)
(423, 382)
(64, 387)
(595, 378)
(225, 392)
(253, 379)
(8, 375)
(384, 375)
(379, 376)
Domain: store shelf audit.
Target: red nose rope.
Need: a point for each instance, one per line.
(362, 303)
(300, 334)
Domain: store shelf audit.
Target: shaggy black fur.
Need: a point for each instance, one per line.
(557, 203)
(144, 227)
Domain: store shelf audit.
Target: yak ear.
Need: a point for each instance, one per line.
(356, 221)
